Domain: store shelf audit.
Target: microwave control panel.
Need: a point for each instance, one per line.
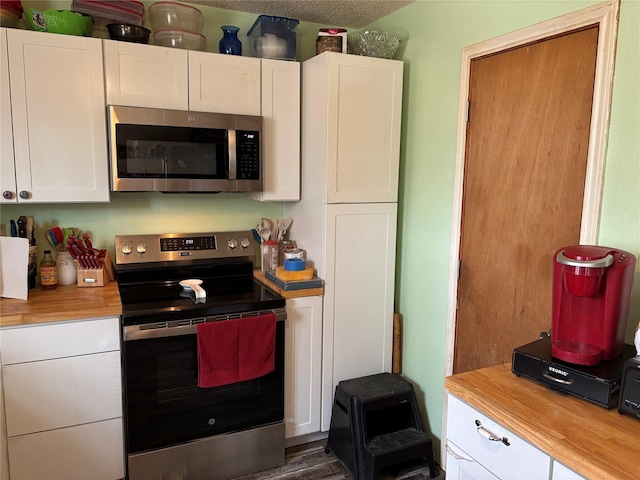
(248, 155)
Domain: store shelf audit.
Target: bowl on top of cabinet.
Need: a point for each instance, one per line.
(180, 39)
(176, 16)
(126, 32)
(67, 22)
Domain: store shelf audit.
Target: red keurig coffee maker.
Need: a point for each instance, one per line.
(591, 296)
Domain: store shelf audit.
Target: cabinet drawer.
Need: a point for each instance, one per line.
(94, 451)
(62, 392)
(461, 466)
(560, 472)
(42, 342)
(502, 460)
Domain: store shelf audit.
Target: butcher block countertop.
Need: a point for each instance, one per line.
(595, 442)
(61, 304)
(309, 292)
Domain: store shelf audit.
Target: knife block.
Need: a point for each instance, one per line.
(96, 277)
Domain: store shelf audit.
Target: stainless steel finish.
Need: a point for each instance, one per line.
(25, 195)
(7, 194)
(177, 118)
(490, 436)
(233, 160)
(557, 380)
(186, 327)
(215, 458)
(598, 263)
(137, 249)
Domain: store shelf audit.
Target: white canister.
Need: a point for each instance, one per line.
(67, 274)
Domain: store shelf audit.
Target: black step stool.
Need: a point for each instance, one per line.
(375, 423)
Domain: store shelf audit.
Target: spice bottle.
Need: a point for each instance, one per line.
(48, 272)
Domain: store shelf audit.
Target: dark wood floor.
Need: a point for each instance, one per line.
(310, 462)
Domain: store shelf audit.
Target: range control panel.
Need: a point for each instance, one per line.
(168, 247)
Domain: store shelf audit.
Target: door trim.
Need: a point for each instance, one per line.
(605, 15)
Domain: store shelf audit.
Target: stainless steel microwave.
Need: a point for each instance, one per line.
(154, 150)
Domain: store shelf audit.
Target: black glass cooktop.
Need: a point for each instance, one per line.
(156, 295)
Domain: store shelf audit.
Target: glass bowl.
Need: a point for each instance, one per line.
(371, 43)
(126, 32)
(180, 39)
(174, 16)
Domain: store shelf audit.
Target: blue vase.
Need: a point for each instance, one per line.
(229, 42)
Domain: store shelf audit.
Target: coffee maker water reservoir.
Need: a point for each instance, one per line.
(591, 297)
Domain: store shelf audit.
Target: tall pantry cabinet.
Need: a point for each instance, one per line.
(346, 218)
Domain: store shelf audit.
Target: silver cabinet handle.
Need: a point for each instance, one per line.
(490, 436)
(8, 194)
(557, 380)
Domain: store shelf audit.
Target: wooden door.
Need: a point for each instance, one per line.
(525, 165)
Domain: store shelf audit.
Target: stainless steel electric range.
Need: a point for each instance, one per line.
(169, 284)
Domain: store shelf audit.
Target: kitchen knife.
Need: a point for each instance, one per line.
(30, 223)
(14, 228)
(22, 227)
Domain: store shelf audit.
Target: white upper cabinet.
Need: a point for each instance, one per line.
(357, 108)
(58, 118)
(146, 76)
(7, 165)
(281, 131)
(162, 77)
(224, 83)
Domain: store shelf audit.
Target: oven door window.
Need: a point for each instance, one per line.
(171, 152)
(164, 405)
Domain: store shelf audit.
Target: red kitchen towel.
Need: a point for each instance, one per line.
(218, 353)
(257, 346)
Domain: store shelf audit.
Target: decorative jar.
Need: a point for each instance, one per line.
(229, 43)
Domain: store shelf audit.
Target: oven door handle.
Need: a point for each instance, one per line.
(134, 332)
(159, 330)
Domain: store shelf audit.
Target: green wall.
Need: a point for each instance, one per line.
(437, 32)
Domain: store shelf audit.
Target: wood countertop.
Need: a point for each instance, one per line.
(309, 292)
(595, 442)
(61, 304)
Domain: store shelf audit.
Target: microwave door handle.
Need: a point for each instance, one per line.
(232, 155)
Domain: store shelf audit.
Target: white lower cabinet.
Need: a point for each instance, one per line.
(75, 453)
(303, 357)
(560, 472)
(480, 448)
(63, 400)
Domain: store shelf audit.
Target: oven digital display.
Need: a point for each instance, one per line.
(187, 243)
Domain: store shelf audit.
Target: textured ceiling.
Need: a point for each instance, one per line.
(331, 13)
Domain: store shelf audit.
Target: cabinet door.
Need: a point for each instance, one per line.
(461, 466)
(62, 392)
(224, 83)
(4, 455)
(92, 451)
(364, 104)
(280, 131)
(7, 169)
(59, 124)
(560, 472)
(146, 75)
(303, 355)
(359, 292)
